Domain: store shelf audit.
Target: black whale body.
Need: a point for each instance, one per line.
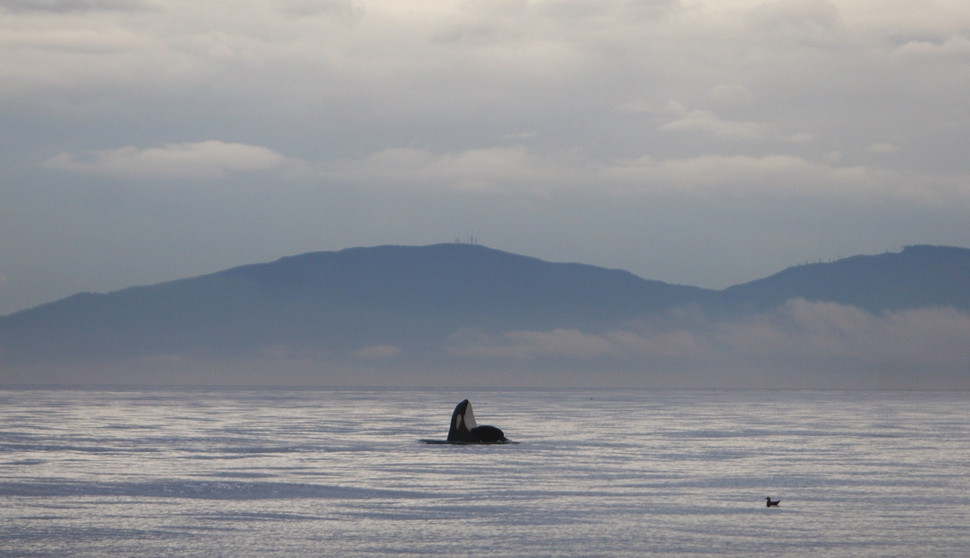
(465, 430)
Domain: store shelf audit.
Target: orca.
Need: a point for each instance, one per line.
(772, 503)
(464, 429)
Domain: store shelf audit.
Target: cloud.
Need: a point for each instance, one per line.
(527, 345)
(517, 170)
(817, 332)
(788, 15)
(78, 41)
(882, 148)
(500, 168)
(425, 98)
(573, 344)
(956, 46)
(799, 335)
(345, 10)
(781, 175)
(72, 5)
(734, 94)
(708, 122)
(200, 160)
(798, 138)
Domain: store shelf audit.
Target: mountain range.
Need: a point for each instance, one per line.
(408, 300)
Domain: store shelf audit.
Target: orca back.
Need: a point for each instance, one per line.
(487, 434)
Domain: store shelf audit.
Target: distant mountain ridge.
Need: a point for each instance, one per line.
(339, 301)
(335, 302)
(917, 277)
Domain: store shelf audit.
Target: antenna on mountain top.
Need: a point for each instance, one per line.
(469, 239)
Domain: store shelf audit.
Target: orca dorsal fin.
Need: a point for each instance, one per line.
(459, 427)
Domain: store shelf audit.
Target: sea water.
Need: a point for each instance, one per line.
(592, 473)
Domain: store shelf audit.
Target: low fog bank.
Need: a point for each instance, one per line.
(799, 345)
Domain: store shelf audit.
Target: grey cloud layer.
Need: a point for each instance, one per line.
(800, 337)
(460, 78)
(207, 159)
(801, 345)
(566, 129)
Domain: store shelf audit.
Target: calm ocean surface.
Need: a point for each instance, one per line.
(595, 473)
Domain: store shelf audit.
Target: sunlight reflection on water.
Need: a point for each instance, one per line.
(341, 473)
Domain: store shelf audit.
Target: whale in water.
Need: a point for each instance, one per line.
(464, 429)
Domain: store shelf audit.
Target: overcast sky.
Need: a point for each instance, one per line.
(697, 142)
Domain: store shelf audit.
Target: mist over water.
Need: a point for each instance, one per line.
(342, 473)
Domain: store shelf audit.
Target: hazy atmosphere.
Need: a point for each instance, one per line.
(701, 266)
(700, 143)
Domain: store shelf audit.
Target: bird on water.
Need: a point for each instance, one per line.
(771, 503)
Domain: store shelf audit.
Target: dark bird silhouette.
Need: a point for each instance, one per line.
(771, 502)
